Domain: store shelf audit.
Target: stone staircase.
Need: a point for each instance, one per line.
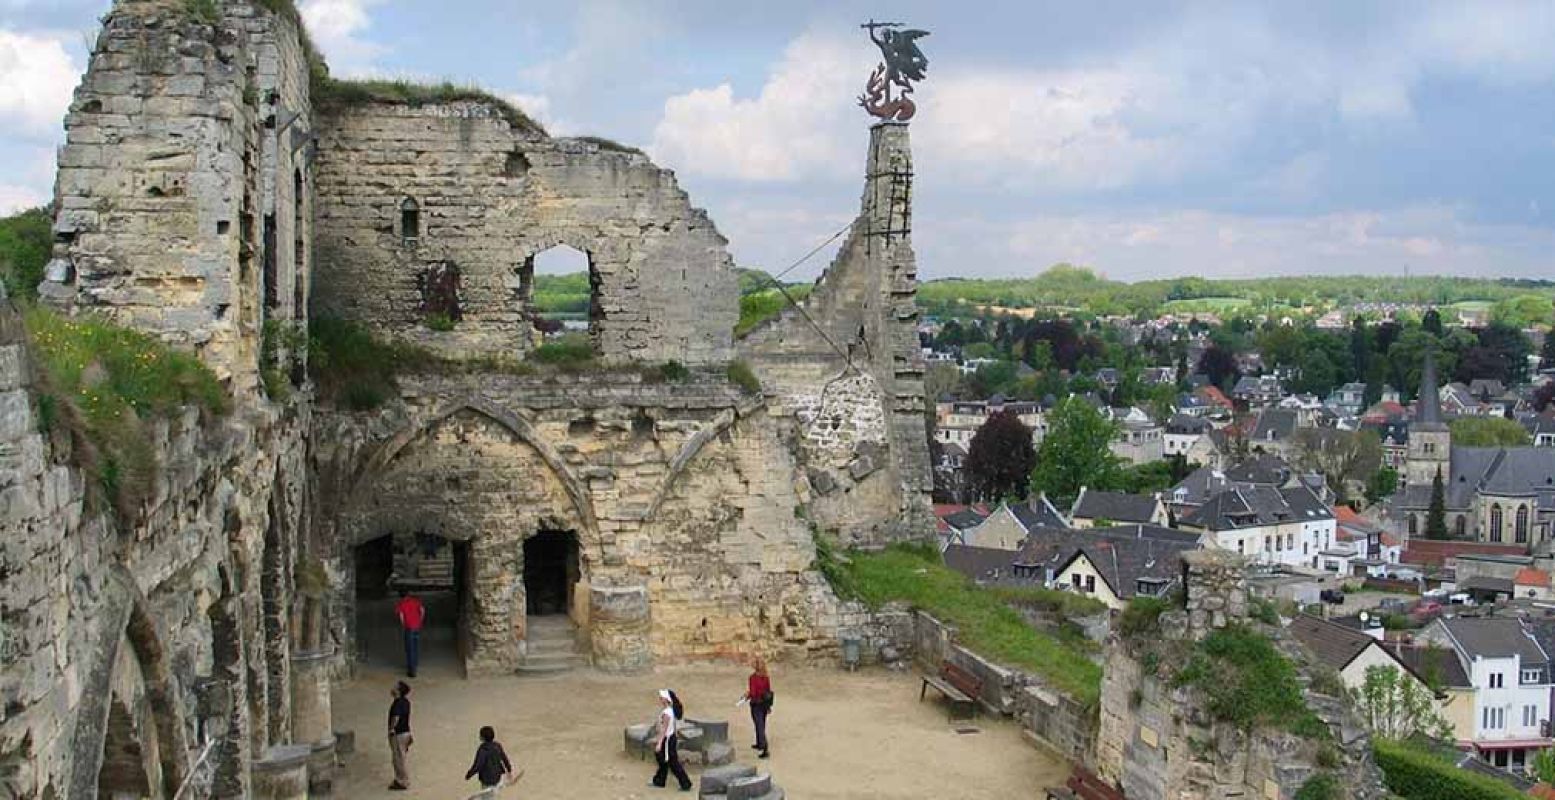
(552, 646)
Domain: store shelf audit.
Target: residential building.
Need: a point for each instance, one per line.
(1099, 509)
(1348, 651)
(1274, 430)
(957, 421)
(1007, 526)
(1113, 564)
(1256, 392)
(1348, 399)
(1290, 526)
(1139, 442)
(1509, 674)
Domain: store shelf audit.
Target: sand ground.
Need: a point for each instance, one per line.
(834, 734)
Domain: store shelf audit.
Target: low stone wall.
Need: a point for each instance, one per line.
(1047, 715)
(886, 636)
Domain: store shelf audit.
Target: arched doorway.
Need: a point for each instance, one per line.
(432, 568)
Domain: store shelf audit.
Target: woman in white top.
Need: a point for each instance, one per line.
(666, 749)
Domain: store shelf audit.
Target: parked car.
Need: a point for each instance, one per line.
(1332, 596)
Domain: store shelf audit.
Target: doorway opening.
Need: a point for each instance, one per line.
(433, 569)
(550, 572)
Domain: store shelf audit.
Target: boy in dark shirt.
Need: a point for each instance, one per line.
(491, 761)
(399, 734)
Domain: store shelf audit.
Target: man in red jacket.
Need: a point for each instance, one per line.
(412, 614)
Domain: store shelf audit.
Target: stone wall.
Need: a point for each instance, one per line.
(1050, 717)
(1158, 741)
(846, 369)
(683, 489)
(158, 647)
(176, 192)
(490, 196)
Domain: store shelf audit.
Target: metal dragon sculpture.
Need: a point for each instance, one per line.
(903, 65)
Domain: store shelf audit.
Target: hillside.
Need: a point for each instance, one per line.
(1518, 302)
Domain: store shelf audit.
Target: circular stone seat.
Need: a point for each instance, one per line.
(638, 739)
(715, 780)
(717, 754)
(754, 787)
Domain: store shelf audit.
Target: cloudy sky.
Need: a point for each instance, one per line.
(1142, 138)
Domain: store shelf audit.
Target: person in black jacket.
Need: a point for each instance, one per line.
(491, 761)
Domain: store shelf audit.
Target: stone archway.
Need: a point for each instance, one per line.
(482, 480)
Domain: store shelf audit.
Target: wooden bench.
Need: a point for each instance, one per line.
(958, 686)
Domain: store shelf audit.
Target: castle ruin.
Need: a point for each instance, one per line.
(210, 195)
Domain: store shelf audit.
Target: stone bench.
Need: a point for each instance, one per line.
(712, 748)
(737, 782)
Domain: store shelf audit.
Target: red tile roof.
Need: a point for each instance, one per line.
(1425, 552)
(1528, 576)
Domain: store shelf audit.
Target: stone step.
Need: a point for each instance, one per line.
(550, 664)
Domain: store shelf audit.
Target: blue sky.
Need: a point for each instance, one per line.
(1144, 139)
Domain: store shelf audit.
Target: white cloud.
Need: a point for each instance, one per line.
(796, 127)
(15, 198)
(1420, 240)
(337, 27)
(37, 76)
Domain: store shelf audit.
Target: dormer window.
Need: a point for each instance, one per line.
(1532, 675)
(410, 221)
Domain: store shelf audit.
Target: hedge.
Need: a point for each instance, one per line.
(1414, 775)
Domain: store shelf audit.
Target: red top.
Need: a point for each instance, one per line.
(411, 612)
(759, 686)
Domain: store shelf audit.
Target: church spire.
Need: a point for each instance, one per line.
(1428, 405)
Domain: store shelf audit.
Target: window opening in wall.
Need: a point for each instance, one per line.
(1495, 523)
(272, 298)
(298, 356)
(439, 287)
(410, 222)
(1520, 526)
(559, 290)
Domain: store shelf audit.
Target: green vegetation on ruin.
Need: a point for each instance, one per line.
(1248, 683)
(101, 384)
(333, 93)
(984, 620)
(740, 374)
(761, 305)
(610, 145)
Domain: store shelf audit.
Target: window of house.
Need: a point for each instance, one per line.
(1495, 523)
(1530, 716)
(1090, 583)
(1532, 675)
(1429, 447)
(410, 221)
(1497, 680)
(1414, 525)
(1460, 525)
(1493, 719)
(1077, 581)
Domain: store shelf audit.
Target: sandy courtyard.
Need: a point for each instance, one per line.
(833, 735)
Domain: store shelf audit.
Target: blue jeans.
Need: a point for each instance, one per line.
(412, 651)
(759, 719)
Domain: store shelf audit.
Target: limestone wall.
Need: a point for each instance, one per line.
(682, 488)
(1158, 741)
(175, 190)
(184, 614)
(846, 371)
(491, 196)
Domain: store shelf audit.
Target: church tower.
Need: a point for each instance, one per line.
(1430, 441)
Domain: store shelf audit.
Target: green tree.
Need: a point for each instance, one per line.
(25, 242)
(1489, 432)
(1436, 513)
(1382, 484)
(1396, 706)
(1543, 766)
(1076, 452)
(1341, 456)
(1000, 458)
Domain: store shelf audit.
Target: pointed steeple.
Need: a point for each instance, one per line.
(1428, 405)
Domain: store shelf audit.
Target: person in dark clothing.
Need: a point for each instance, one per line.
(666, 749)
(491, 761)
(399, 735)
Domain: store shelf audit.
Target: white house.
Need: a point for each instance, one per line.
(1347, 651)
(1289, 526)
(1505, 716)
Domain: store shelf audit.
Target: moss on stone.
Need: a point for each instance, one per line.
(332, 93)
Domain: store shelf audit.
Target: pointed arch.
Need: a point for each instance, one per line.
(379, 463)
(684, 456)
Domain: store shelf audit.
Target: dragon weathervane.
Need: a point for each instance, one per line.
(903, 65)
